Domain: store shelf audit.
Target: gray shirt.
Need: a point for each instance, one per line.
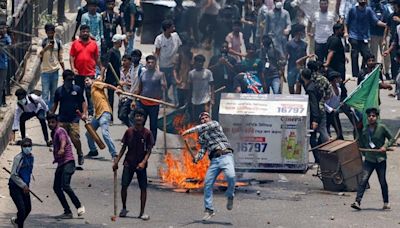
(200, 82)
(151, 82)
(276, 22)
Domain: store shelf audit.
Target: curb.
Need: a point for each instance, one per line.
(29, 81)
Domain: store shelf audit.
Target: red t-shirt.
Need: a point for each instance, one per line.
(138, 142)
(85, 55)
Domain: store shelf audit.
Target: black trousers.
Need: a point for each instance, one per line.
(42, 119)
(22, 201)
(62, 180)
(358, 47)
(321, 50)
(380, 168)
(333, 119)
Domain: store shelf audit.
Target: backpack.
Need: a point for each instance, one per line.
(58, 41)
(30, 100)
(139, 16)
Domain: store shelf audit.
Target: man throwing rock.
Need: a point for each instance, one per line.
(213, 140)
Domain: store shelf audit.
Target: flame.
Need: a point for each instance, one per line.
(180, 171)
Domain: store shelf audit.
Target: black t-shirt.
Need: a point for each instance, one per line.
(70, 101)
(113, 57)
(222, 75)
(270, 60)
(138, 143)
(338, 59)
(392, 24)
(239, 81)
(127, 8)
(363, 73)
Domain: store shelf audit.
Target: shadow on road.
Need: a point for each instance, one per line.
(44, 220)
(220, 223)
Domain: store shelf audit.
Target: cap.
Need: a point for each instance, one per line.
(118, 37)
(204, 113)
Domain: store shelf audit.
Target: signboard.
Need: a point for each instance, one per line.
(266, 131)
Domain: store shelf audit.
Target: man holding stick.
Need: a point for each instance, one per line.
(63, 156)
(151, 84)
(139, 141)
(373, 137)
(213, 140)
(103, 114)
(18, 184)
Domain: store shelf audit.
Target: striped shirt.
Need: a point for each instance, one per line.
(211, 137)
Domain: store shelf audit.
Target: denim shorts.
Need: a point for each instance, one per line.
(127, 175)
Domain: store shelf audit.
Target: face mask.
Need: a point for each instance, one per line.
(22, 101)
(27, 150)
(278, 5)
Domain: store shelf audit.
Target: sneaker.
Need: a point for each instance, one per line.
(356, 205)
(208, 214)
(123, 213)
(81, 160)
(144, 217)
(92, 154)
(64, 216)
(81, 211)
(13, 221)
(229, 204)
(386, 206)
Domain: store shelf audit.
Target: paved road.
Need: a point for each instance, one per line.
(300, 202)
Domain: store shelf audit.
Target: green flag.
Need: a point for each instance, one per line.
(366, 95)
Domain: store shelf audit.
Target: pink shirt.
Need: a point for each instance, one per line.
(58, 135)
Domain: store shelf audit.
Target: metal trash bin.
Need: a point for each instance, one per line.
(341, 165)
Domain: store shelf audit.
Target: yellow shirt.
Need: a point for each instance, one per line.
(99, 98)
(50, 62)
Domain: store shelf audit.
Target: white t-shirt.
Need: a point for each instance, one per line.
(168, 48)
(200, 81)
(323, 24)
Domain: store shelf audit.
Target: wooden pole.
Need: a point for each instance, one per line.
(149, 99)
(165, 122)
(114, 72)
(37, 197)
(115, 193)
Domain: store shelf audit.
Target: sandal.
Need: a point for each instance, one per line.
(144, 217)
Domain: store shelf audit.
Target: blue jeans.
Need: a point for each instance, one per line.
(225, 163)
(274, 83)
(131, 44)
(104, 123)
(152, 112)
(49, 86)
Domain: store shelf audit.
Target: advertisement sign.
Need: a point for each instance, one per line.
(266, 131)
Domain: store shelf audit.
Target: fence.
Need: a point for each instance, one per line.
(20, 28)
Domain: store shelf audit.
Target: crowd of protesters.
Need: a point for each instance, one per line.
(257, 47)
